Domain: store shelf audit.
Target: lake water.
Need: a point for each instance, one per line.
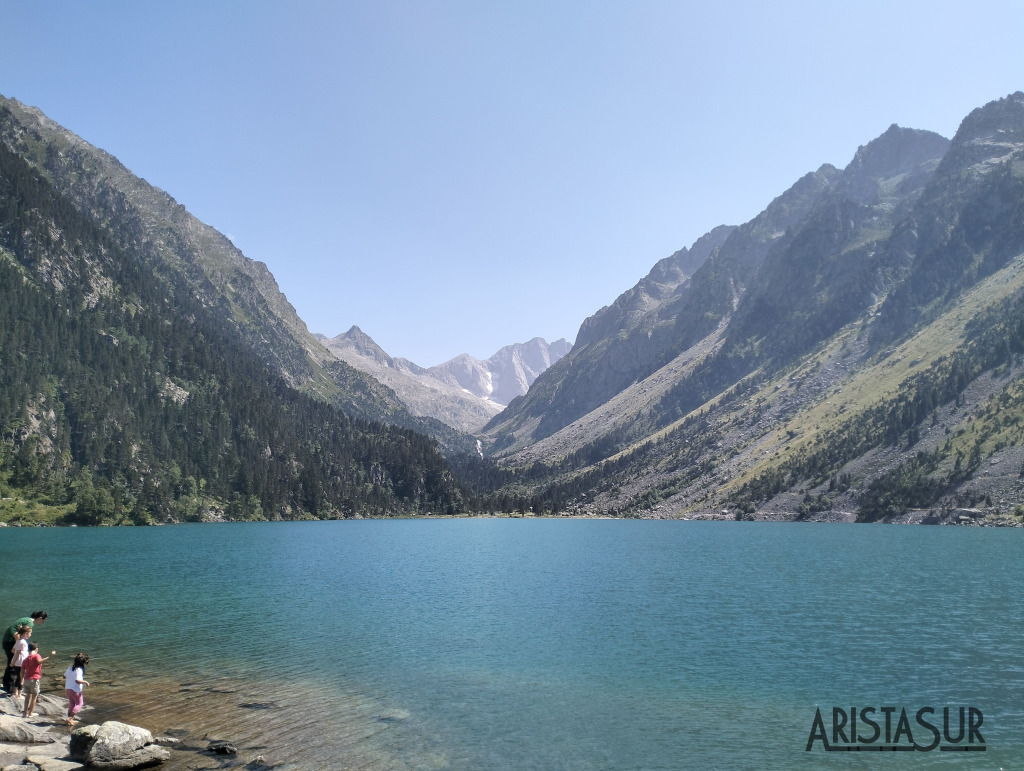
(532, 644)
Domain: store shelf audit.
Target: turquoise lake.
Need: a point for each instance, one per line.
(533, 644)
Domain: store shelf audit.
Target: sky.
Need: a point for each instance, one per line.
(457, 176)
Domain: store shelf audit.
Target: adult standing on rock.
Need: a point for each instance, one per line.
(8, 644)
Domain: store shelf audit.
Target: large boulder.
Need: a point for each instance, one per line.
(144, 757)
(82, 739)
(116, 746)
(115, 741)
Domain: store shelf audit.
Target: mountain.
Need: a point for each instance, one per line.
(505, 375)
(464, 392)
(665, 315)
(148, 223)
(148, 371)
(853, 352)
(420, 393)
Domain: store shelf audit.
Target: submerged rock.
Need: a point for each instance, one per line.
(222, 748)
(393, 716)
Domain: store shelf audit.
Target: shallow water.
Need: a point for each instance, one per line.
(519, 644)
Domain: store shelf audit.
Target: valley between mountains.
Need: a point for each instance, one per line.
(852, 353)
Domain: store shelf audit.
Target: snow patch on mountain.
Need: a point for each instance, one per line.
(464, 392)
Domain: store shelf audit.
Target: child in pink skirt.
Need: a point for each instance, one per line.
(74, 683)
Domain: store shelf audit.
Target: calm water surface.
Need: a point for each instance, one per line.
(532, 644)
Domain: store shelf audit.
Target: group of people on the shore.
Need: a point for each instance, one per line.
(24, 668)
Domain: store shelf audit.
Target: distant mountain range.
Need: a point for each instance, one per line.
(464, 392)
(853, 352)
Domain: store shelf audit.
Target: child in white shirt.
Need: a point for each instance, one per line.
(19, 655)
(74, 683)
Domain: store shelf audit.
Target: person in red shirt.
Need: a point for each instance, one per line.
(32, 671)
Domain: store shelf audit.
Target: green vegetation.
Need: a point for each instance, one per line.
(995, 339)
(123, 399)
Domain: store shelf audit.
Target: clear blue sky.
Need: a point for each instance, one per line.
(457, 176)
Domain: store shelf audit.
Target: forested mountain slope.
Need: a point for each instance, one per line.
(125, 398)
(146, 222)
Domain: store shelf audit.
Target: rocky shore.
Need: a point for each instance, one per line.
(44, 743)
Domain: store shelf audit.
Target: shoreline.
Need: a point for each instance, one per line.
(301, 727)
(194, 725)
(48, 721)
(914, 517)
(45, 737)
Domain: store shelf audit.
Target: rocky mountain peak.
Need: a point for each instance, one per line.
(358, 349)
(892, 156)
(463, 392)
(812, 182)
(1002, 117)
(360, 342)
(515, 367)
(987, 136)
(507, 374)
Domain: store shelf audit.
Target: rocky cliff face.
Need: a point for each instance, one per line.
(664, 283)
(889, 167)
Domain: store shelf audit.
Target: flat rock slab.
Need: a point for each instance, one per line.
(36, 755)
(59, 748)
(11, 755)
(14, 729)
(10, 706)
(47, 705)
(54, 764)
